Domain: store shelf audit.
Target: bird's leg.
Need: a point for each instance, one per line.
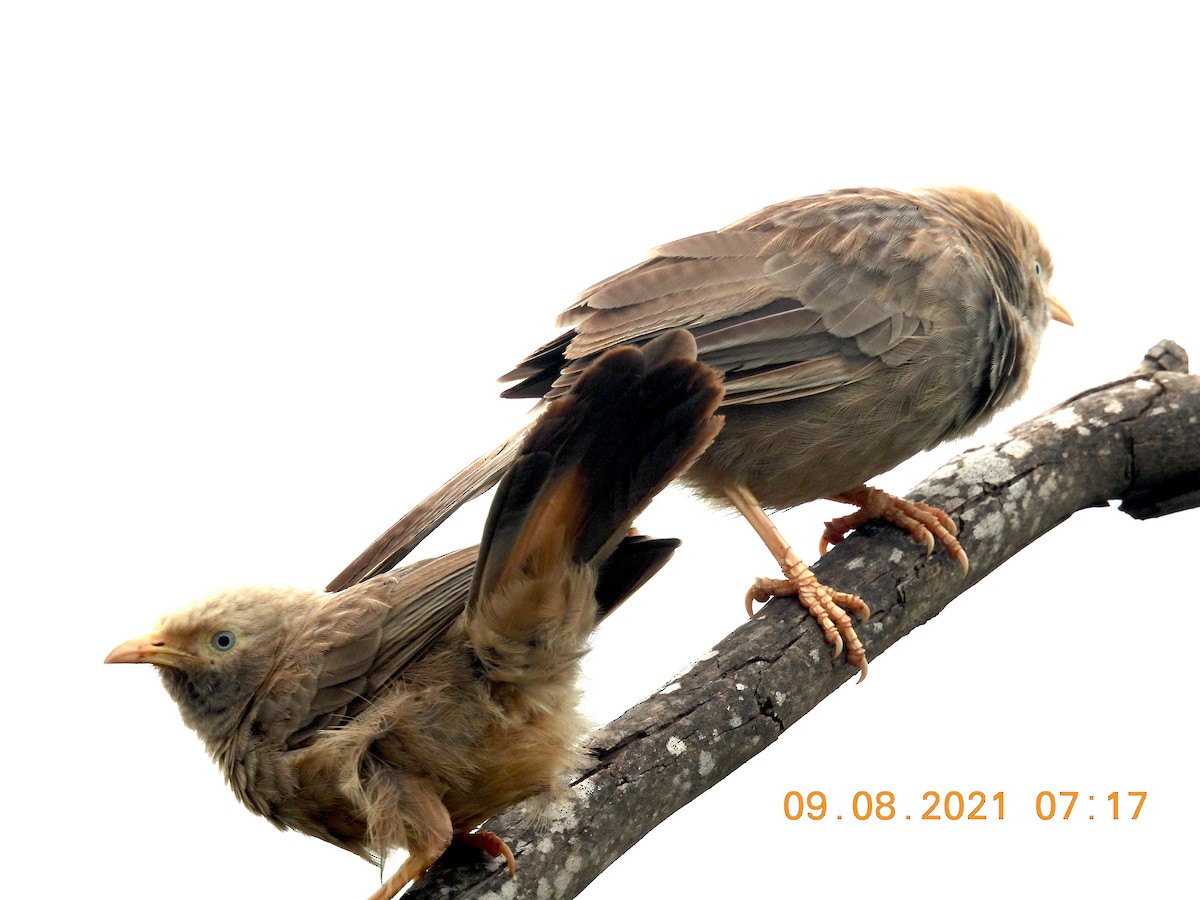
(491, 844)
(417, 864)
(922, 521)
(415, 818)
(824, 604)
(420, 861)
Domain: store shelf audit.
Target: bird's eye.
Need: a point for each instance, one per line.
(1037, 268)
(223, 640)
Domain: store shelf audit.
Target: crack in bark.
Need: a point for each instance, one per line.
(767, 708)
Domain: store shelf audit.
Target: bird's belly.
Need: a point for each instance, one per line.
(526, 756)
(792, 452)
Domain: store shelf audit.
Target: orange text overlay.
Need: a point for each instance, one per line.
(970, 806)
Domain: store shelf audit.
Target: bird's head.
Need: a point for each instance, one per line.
(1021, 254)
(216, 655)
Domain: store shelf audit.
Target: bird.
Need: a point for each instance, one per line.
(408, 709)
(854, 329)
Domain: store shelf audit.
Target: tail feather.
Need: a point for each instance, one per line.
(563, 449)
(636, 560)
(592, 462)
(665, 425)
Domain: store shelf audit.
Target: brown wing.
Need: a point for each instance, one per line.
(798, 299)
(398, 541)
(367, 635)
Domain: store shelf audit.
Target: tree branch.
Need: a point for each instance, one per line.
(1132, 439)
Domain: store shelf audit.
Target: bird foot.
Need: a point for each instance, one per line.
(927, 524)
(827, 606)
(412, 868)
(491, 844)
(419, 863)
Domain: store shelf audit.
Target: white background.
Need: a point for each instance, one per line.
(262, 263)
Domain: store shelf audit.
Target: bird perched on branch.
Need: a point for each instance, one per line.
(854, 329)
(407, 710)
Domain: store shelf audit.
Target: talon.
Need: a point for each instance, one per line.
(831, 537)
(927, 524)
(830, 608)
(827, 607)
(491, 844)
(760, 592)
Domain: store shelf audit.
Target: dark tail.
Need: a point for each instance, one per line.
(635, 561)
(558, 527)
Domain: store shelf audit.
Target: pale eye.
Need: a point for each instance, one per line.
(223, 640)
(1037, 268)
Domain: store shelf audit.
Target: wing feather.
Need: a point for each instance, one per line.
(369, 633)
(801, 298)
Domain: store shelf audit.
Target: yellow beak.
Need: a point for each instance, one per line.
(1058, 312)
(150, 648)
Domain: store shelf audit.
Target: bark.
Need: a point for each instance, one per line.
(1133, 440)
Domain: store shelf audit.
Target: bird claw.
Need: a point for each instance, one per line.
(419, 862)
(827, 606)
(491, 844)
(927, 524)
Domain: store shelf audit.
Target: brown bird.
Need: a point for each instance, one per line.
(854, 328)
(406, 710)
